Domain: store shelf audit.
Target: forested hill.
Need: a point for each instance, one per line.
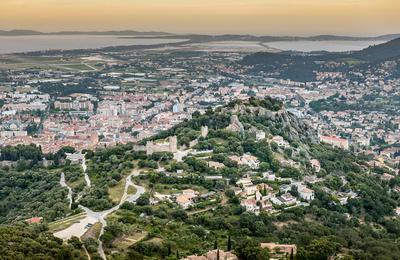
(351, 215)
(389, 50)
(384, 51)
(302, 67)
(353, 212)
(267, 115)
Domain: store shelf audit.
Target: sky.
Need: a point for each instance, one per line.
(257, 17)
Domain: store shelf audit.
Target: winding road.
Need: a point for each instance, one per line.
(79, 228)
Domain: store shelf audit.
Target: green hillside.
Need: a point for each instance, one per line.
(350, 216)
(365, 227)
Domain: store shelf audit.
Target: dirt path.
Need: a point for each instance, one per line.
(64, 184)
(87, 179)
(86, 252)
(78, 229)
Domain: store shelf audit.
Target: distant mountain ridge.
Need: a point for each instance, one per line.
(388, 37)
(204, 37)
(19, 33)
(118, 33)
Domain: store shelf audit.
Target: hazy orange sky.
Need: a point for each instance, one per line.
(261, 17)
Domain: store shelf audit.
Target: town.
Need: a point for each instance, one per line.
(107, 99)
(165, 149)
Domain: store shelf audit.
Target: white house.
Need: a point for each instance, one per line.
(250, 205)
(306, 193)
(75, 158)
(269, 176)
(260, 135)
(186, 199)
(286, 199)
(246, 159)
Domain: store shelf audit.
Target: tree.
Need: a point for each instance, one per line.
(143, 200)
(22, 165)
(75, 242)
(132, 254)
(32, 128)
(179, 214)
(294, 191)
(230, 193)
(290, 173)
(215, 244)
(30, 242)
(15, 153)
(229, 246)
(249, 249)
(318, 249)
(264, 166)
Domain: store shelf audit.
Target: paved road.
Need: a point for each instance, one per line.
(78, 229)
(125, 197)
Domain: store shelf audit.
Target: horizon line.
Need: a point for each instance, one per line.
(192, 33)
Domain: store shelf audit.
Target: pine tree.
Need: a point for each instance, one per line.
(215, 244)
(217, 254)
(229, 247)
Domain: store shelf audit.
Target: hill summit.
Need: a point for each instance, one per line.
(254, 115)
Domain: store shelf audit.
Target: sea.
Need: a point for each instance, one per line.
(18, 44)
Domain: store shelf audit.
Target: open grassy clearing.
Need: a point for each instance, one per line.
(115, 193)
(131, 190)
(177, 188)
(19, 61)
(77, 183)
(77, 66)
(128, 240)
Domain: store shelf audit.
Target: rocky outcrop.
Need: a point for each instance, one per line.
(288, 124)
(236, 125)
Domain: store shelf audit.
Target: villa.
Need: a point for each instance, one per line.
(186, 199)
